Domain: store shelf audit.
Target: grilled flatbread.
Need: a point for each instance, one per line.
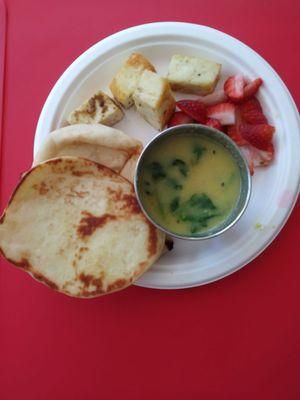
(76, 226)
(105, 145)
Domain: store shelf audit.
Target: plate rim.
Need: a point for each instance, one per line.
(139, 29)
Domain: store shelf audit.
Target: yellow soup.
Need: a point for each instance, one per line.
(189, 183)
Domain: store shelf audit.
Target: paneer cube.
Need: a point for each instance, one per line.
(154, 99)
(193, 74)
(127, 78)
(99, 109)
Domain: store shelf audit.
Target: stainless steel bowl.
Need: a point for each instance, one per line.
(221, 138)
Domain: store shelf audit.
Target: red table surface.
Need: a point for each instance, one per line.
(234, 339)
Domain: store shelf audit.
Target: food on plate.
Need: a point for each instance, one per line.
(223, 112)
(259, 136)
(234, 87)
(194, 109)
(99, 109)
(189, 183)
(251, 112)
(180, 118)
(193, 74)
(128, 170)
(214, 123)
(154, 99)
(74, 222)
(241, 117)
(238, 89)
(105, 145)
(127, 78)
(257, 158)
(76, 226)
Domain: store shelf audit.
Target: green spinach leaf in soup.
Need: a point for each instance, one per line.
(197, 210)
(174, 204)
(157, 170)
(181, 165)
(172, 182)
(197, 153)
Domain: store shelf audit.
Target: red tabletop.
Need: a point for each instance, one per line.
(234, 339)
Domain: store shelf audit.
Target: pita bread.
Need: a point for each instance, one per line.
(76, 226)
(105, 145)
(128, 171)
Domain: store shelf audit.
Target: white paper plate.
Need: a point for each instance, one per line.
(275, 188)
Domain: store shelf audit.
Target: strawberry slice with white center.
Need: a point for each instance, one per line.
(234, 88)
(256, 157)
(251, 88)
(218, 96)
(180, 118)
(223, 112)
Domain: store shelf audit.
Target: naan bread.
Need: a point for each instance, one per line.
(128, 171)
(76, 226)
(107, 146)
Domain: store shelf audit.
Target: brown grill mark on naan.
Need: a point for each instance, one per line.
(118, 284)
(45, 280)
(130, 204)
(152, 244)
(90, 280)
(23, 263)
(90, 223)
(86, 279)
(82, 249)
(115, 195)
(55, 161)
(81, 173)
(41, 188)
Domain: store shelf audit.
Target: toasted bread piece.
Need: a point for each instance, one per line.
(99, 109)
(127, 78)
(154, 99)
(76, 226)
(193, 74)
(102, 144)
(128, 171)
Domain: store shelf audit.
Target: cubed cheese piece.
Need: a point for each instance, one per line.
(193, 74)
(154, 99)
(99, 109)
(127, 78)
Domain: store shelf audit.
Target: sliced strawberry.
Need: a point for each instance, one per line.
(180, 118)
(263, 158)
(214, 123)
(234, 133)
(260, 136)
(251, 88)
(234, 87)
(256, 157)
(218, 96)
(194, 109)
(223, 112)
(251, 112)
(248, 154)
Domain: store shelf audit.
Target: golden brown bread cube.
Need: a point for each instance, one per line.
(127, 78)
(154, 99)
(193, 74)
(99, 109)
